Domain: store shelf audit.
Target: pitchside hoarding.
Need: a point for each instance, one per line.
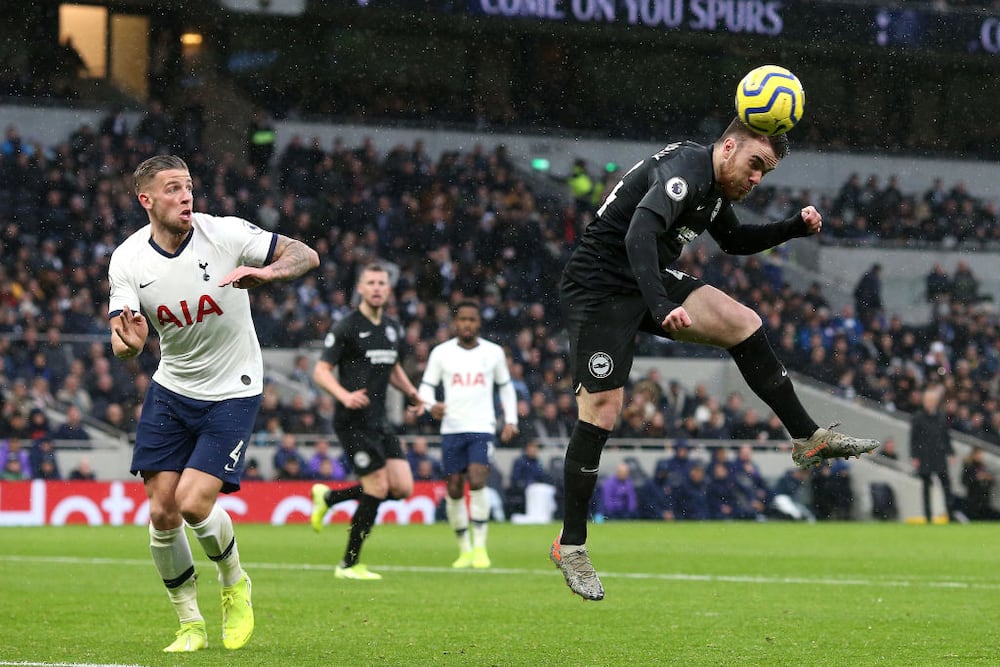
(41, 503)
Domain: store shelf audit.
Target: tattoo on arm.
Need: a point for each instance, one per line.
(292, 259)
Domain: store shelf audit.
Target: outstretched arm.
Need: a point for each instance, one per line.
(291, 259)
(735, 238)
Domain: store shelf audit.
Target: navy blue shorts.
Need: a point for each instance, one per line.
(176, 432)
(458, 450)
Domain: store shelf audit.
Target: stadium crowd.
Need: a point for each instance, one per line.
(466, 225)
(872, 209)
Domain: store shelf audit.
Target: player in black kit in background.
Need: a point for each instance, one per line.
(365, 347)
(618, 282)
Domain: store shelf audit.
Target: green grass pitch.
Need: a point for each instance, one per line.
(677, 594)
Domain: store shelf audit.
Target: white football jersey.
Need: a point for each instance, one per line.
(208, 344)
(468, 377)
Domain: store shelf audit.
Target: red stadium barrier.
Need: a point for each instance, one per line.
(41, 503)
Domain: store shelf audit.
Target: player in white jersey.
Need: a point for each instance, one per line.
(179, 273)
(468, 368)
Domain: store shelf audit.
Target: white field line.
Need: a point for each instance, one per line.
(955, 584)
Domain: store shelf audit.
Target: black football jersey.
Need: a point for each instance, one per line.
(364, 354)
(677, 184)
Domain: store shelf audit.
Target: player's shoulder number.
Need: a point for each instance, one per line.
(614, 192)
(667, 150)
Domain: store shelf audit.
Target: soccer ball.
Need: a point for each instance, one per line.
(770, 100)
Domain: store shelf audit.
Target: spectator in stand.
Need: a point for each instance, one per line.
(868, 294)
(750, 427)
(322, 463)
(116, 126)
(425, 472)
(618, 495)
(42, 458)
(831, 491)
(888, 449)
(47, 468)
(288, 450)
(690, 497)
(675, 468)
(419, 451)
(792, 496)
(301, 419)
(38, 425)
(937, 285)
(715, 428)
(965, 285)
(656, 497)
(271, 433)
(679, 402)
(549, 425)
(13, 469)
(72, 428)
(725, 500)
(83, 472)
(261, 138)
(156, 127)
(292, 469)
(72, 392)
(13, 447)
(978, 481)
(526, 469)
(252, 472)
(752, 485)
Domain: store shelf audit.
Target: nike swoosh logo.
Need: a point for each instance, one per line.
(142, 285)
(587, 471)
(364, 334)
(700, 208)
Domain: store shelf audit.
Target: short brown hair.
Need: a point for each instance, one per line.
(149, 168)
(737, 130)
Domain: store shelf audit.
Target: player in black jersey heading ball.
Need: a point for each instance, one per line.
(619, 282)
(365, 347)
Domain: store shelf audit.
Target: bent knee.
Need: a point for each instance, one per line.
(746, 319)
(165, 518)
(600, 408)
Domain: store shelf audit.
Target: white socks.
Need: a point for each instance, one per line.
(458, 517)
(219, 542)
(479, 509)
(173, 560)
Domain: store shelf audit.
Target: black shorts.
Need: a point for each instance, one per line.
(602, 327)
(367, 447)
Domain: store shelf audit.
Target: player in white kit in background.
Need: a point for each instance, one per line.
(187, 274)
(468, 368)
